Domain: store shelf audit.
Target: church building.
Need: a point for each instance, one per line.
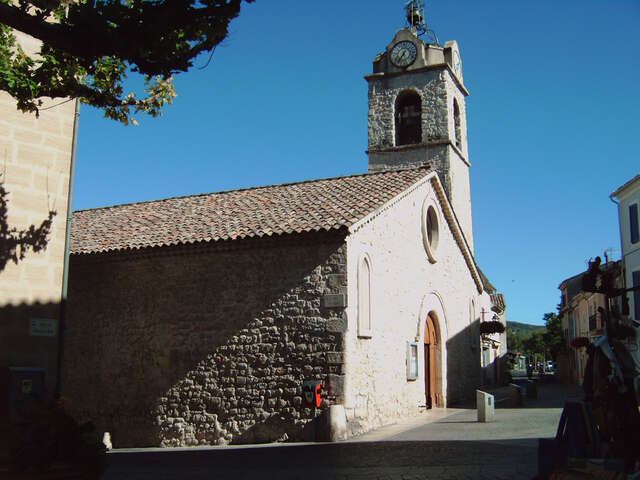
(197, 320)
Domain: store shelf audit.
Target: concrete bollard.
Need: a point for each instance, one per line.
(106, 441)
(337, 420)
(532, 389)
(515, 395)
(486, 406)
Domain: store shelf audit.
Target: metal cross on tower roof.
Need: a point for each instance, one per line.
(416, 21)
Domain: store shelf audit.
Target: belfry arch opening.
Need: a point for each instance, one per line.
(408, 118)
(433, 362)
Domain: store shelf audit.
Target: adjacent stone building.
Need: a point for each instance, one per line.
(580, 319)
(35, 169)
(196, 320)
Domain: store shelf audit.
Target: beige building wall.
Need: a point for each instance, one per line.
(35, 157)
(405, 287)
(580, 318)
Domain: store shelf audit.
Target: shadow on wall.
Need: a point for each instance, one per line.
(14, 243)
(28, 358)
(464, 368)
(201, 346)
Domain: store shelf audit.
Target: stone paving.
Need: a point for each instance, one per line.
(347, 461)
(441, 444)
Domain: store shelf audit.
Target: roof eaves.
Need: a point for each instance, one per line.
(458, 234)
(209, 240)
(569, 279)
(624, 187)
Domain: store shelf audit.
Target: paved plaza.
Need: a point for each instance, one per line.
(439, 444)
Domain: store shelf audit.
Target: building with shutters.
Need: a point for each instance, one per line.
(580, 319)
(628, 200)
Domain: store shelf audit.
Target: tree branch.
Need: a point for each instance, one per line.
(53, 34)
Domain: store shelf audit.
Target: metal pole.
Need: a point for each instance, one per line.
(65, 275)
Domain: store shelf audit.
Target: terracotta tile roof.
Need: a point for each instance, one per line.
(497, 300)
(488, 286)
(314, 205)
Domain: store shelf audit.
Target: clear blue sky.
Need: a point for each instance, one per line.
(552, 122)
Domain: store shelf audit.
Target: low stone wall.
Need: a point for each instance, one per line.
(203, 346)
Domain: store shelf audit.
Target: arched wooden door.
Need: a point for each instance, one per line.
(431, 361)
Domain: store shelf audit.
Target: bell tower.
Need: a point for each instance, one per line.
(417, 110)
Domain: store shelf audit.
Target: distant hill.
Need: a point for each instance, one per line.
(525, 329)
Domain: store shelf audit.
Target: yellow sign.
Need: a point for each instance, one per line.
(27, 385)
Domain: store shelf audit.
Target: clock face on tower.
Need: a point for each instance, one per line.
(403, 54)
(457, 63)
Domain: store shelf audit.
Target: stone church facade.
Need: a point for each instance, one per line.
(195, 320)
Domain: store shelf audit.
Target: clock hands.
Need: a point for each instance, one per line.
(403, 54)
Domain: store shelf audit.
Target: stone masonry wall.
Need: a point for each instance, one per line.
(382, 96)
(205, 346)
(405, 288)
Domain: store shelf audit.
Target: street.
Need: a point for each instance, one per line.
(439, 444)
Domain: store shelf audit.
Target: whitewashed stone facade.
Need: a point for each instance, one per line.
(406, 287)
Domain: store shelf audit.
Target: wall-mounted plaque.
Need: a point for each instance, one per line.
(43, 327)
(412, 361)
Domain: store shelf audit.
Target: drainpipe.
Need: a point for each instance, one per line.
(62, 322)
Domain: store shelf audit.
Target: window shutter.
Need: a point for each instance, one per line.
(636, 294)
(633, 223)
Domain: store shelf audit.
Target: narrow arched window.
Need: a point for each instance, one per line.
(472, 311)
(408, 119)
(456, 119)
(364, 298)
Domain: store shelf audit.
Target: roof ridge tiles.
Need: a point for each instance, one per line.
(258, 187)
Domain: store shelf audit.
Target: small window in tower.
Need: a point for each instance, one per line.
(408, 119)
(456, 119)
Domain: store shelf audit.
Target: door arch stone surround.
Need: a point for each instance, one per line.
(433, 302)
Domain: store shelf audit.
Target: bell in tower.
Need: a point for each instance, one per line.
(414, 13)
(417, 113)
(416, 21)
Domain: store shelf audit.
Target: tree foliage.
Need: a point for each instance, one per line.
(544, 344)
(553, 338)
(90, 46)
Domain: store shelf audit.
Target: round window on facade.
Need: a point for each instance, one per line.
(430, 229)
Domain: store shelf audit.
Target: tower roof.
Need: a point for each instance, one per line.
(315, 205)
